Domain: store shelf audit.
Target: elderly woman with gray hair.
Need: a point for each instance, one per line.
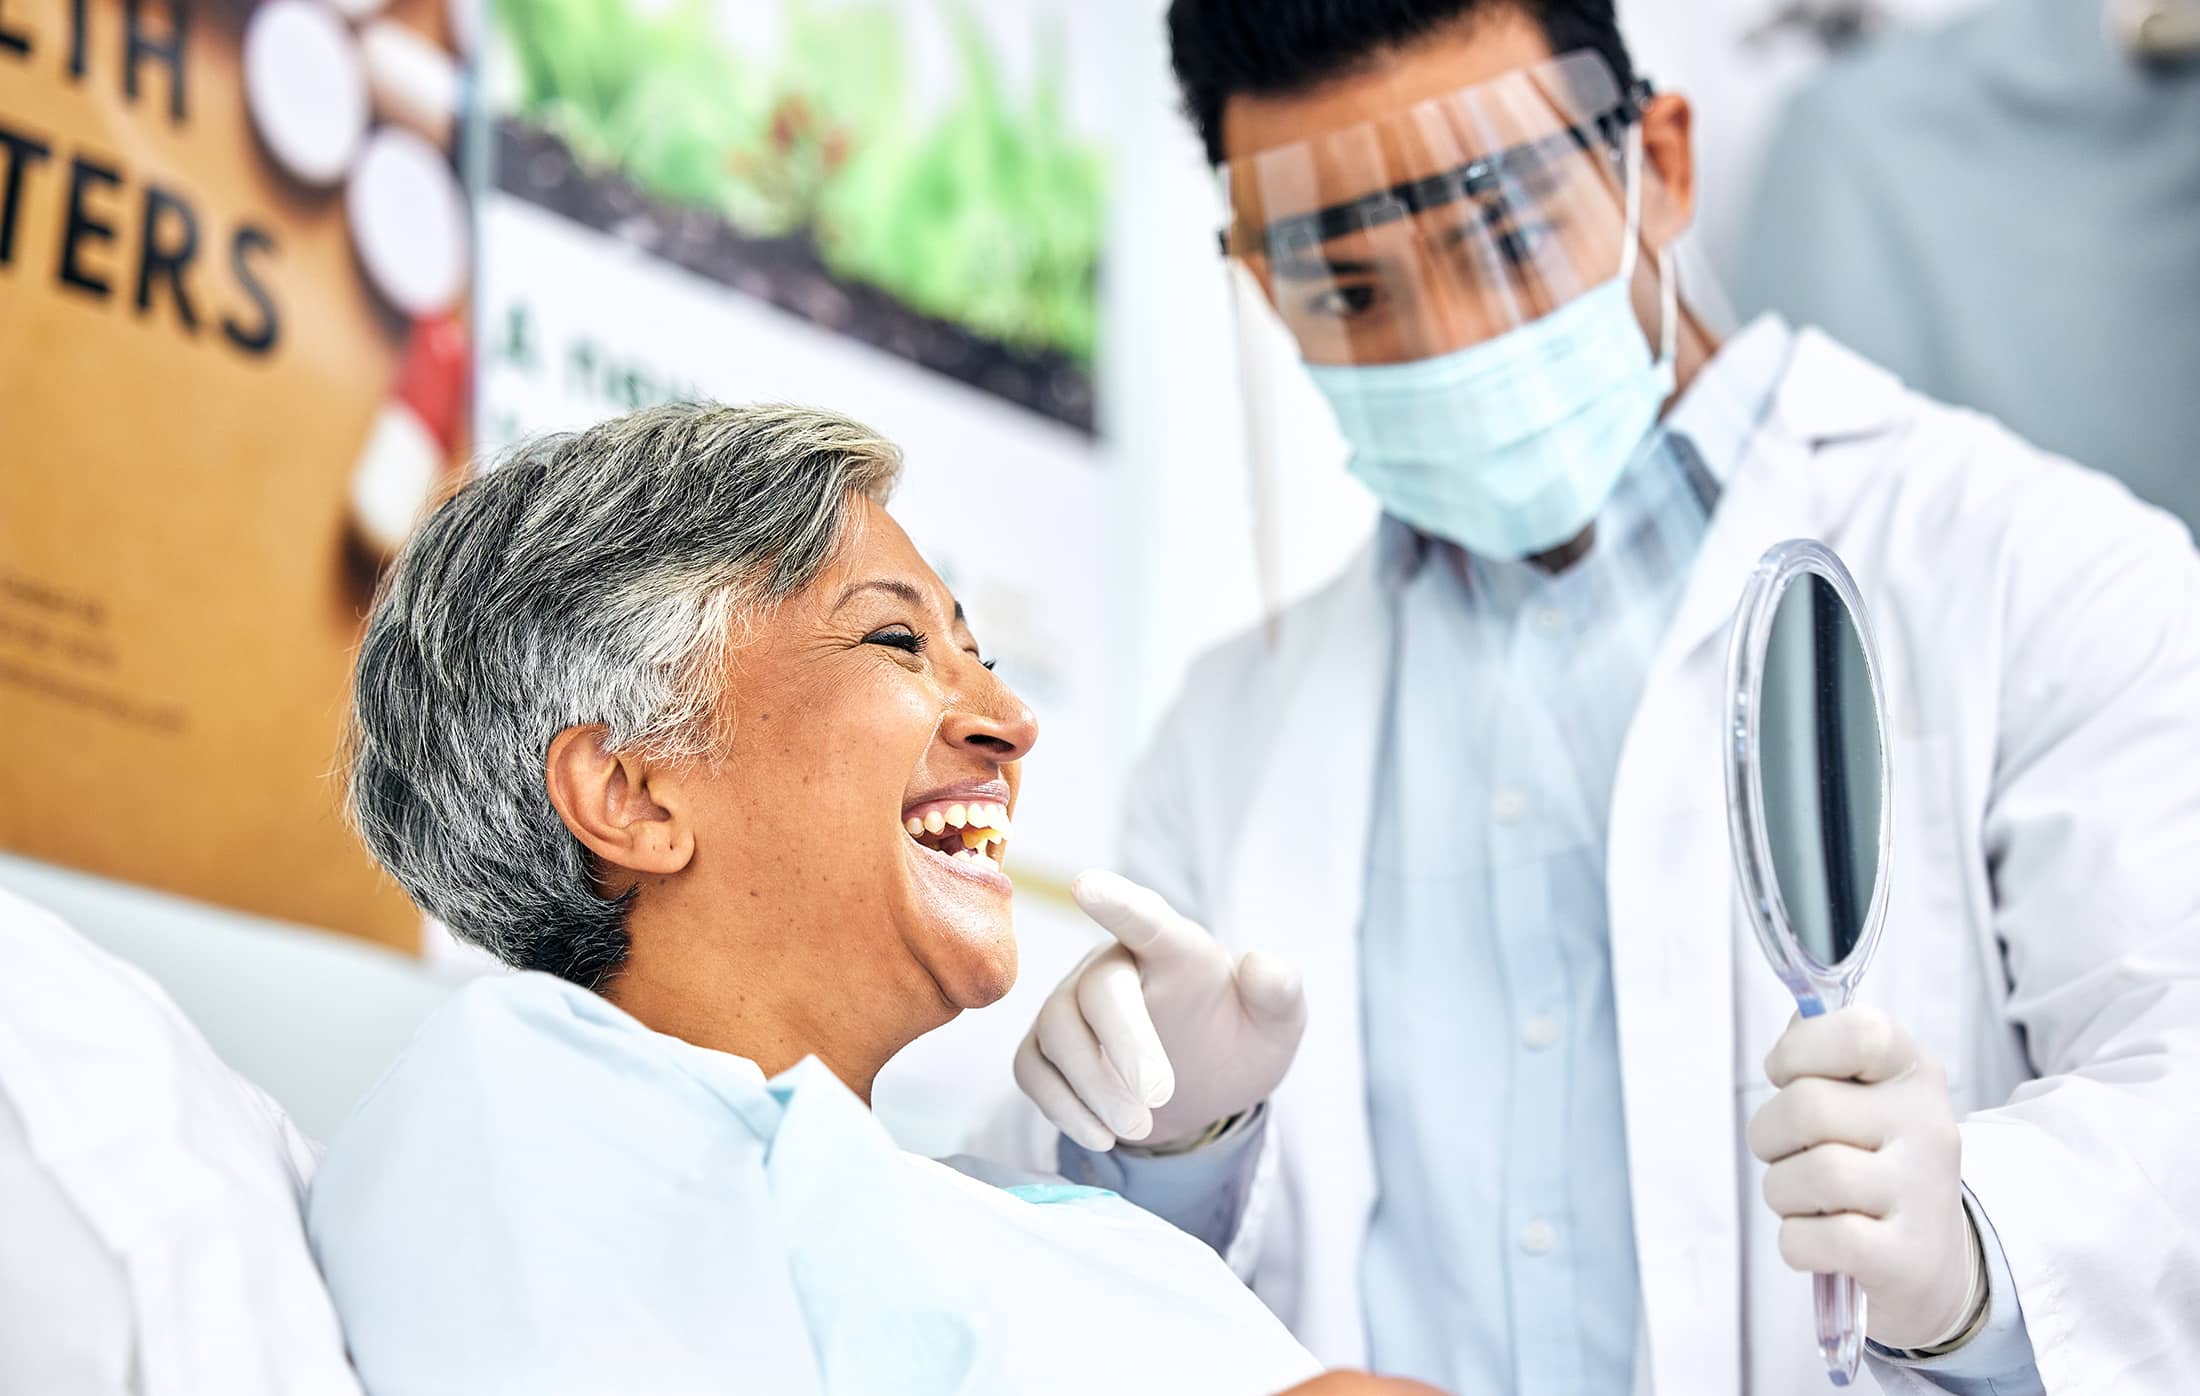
(670, 715)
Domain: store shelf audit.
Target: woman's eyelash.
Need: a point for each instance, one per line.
(906, 640)
(911, 642)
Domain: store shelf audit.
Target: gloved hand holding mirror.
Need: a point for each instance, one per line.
(1862, 1142)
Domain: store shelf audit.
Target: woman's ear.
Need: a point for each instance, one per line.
(628, 811)
(1669, 158)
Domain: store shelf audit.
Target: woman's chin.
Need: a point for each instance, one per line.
(972, 959)
(968, 933)
(974, 975)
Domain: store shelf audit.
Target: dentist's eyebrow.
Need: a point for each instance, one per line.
(1322, 268)
(892, 587)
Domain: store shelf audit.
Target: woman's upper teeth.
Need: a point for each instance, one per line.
(939, 818)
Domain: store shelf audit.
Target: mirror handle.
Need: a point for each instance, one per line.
(1839, 1300)
(1840, 1325)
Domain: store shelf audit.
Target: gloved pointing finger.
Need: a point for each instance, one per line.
(1139, 919)
(1161, 1035)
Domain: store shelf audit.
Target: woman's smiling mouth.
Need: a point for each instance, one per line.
(965, 832)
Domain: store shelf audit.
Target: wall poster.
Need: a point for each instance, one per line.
(234, 261)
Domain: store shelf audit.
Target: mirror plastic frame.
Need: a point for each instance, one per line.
(1817, 988)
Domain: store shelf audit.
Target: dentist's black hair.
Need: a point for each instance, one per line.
(1267, 48)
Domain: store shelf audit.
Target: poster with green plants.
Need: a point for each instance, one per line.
(949, 211)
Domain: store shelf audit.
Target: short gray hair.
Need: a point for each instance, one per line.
(591, 577)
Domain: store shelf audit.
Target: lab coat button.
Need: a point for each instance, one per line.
(1541, 1031)
(1537, 1238)
(1509, 807)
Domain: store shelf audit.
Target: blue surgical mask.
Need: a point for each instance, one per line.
(1511, 447)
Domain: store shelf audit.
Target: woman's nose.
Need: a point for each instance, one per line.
(997, 724)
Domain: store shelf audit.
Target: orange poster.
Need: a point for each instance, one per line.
(202, 330)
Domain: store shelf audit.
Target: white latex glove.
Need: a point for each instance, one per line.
(1160, 1035)
(1867, 1173)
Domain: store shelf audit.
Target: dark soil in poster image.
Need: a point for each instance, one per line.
(534, 165)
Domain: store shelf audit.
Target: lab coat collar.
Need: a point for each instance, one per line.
(1818, 394)
(1798, 382)
(1830, 394)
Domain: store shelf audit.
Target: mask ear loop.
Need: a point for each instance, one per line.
(1669, 292)
(1629, 249)
(1669, 298)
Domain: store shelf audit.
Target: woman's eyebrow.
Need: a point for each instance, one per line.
(890, 585)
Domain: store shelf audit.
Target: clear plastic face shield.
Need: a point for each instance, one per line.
(1459, 280)
(1450, 223)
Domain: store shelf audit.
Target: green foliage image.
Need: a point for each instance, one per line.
(988, 213)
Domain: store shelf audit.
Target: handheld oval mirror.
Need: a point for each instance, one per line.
(1809, 799)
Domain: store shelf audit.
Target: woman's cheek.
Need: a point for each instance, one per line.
(888, 729)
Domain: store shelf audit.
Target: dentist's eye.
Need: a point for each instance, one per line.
(897, 637)
(1344, 302)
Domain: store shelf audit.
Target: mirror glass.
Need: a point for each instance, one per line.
(1818, 743)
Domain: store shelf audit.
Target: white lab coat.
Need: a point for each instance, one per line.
(2041, 633)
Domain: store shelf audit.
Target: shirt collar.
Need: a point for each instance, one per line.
(1732, 395)
(1400, 549)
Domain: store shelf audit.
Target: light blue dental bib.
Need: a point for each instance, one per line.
(545, 1196)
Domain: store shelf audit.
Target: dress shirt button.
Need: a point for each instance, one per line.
(1549, 619)
(1510, 806)
(1540, 1031)
(1537, 1238)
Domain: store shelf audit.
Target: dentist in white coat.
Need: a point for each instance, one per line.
(1430, 1003)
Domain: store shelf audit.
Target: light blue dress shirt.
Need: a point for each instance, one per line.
(1496, 1261)
(1500, 1253)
